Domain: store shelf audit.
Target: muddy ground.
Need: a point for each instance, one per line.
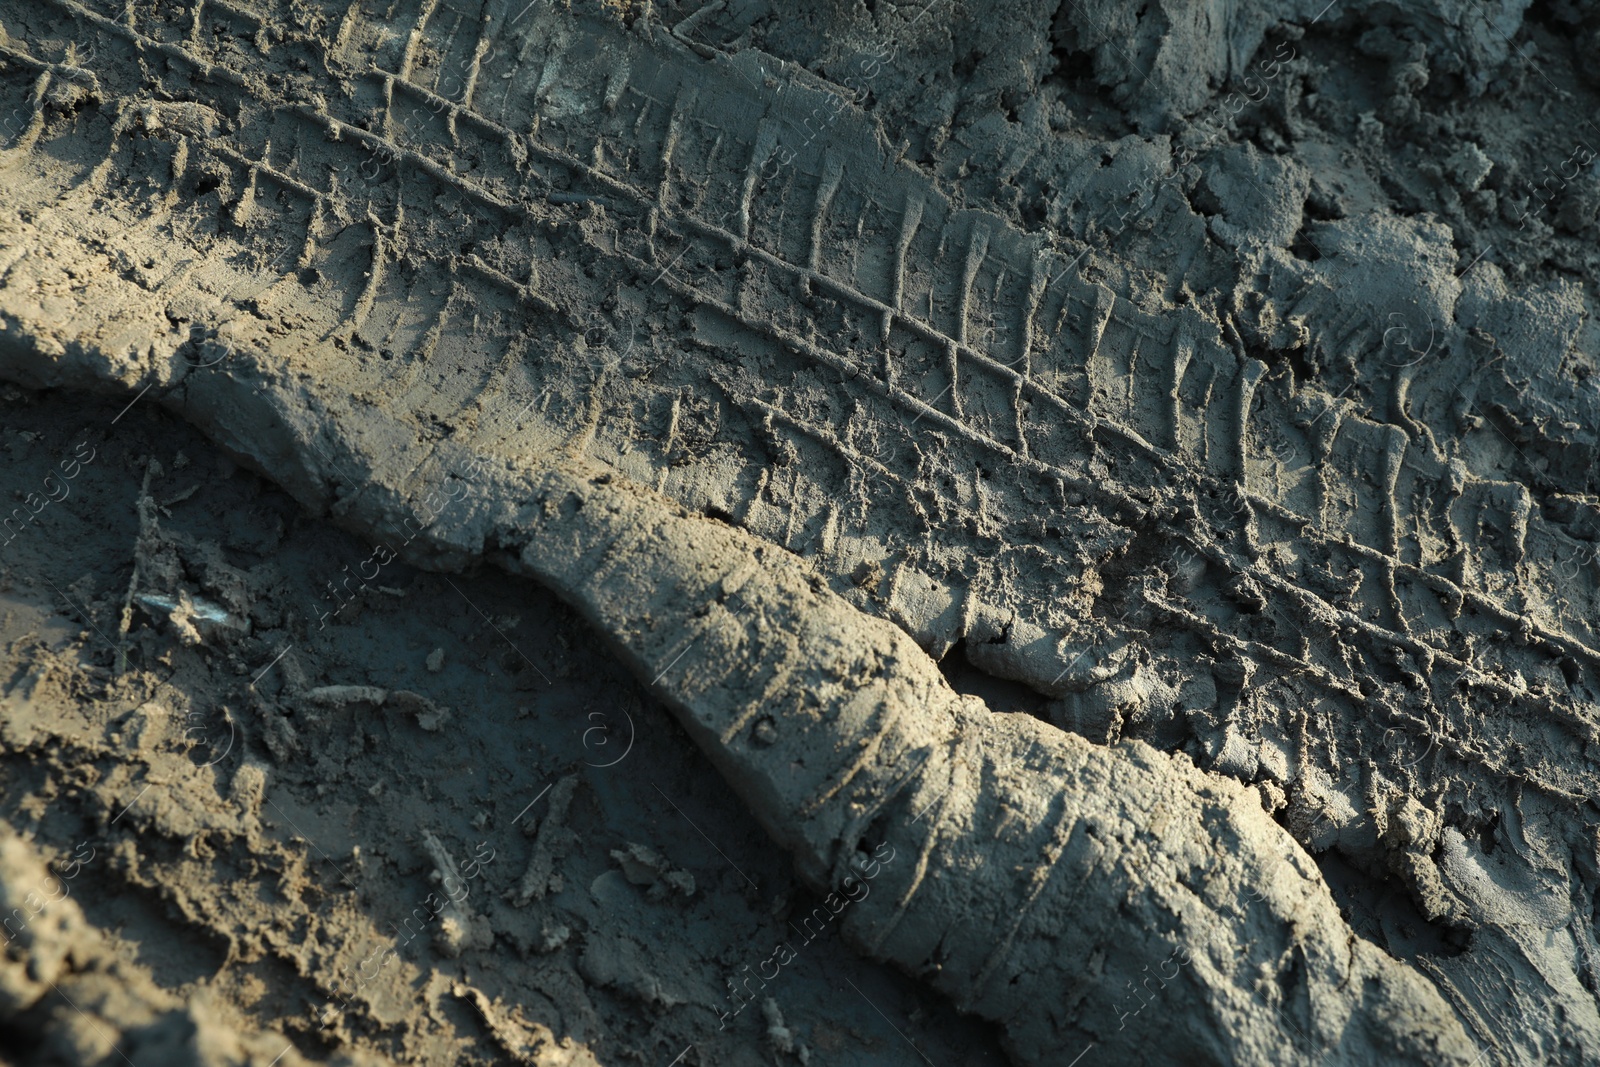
(239, 845)
(1294, 476)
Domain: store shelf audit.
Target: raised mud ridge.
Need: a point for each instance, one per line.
(1038, 875)
(349, 243)
(1040, 881)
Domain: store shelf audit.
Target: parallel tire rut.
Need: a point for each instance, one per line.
(933, 337)
(714, 275)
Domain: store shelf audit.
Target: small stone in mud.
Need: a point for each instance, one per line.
(783, 1039)
(645, 866)
(1468, 167)
(435, 661)
(553, 937)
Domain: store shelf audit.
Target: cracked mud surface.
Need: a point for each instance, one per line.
(1219, 382)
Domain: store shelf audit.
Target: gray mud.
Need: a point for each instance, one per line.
(247, 856)
(1214, 384)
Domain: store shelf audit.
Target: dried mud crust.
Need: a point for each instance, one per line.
(712, 274)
